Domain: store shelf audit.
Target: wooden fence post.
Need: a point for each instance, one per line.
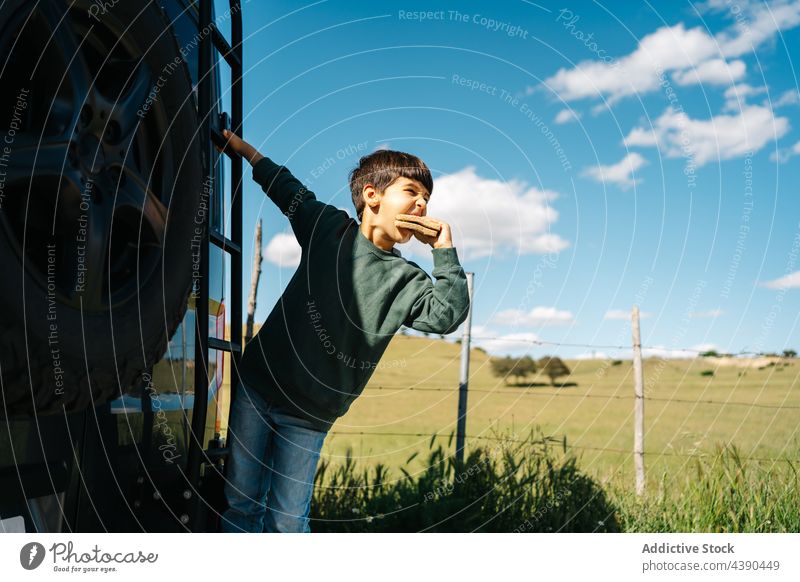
(638, 426)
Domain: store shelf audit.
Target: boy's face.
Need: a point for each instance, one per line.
(403, 196)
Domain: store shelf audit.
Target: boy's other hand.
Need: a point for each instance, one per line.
(241, 147)
(427, 230)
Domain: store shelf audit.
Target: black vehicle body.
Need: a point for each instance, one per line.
(103, 426)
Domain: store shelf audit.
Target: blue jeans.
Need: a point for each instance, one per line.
(272, 461)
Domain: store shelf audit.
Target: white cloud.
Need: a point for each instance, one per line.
(666, 353)
(624, 314)
(491, 217)
(709, 313)
(721, 137)
(618, 314)
(536, 316)
(592, 356)
(283, 250)
(742, 90)
(620, 173)
(790, 97)
(757, 23)
(783, 155)
(713, 72)
(790, 281)
(712, 5)
(736, 95)
(666, 49)
(641, 136)
(677, 49)
(600, 108)
(567, 116)
(506, 344)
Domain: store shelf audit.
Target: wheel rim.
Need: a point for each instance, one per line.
(82, 177)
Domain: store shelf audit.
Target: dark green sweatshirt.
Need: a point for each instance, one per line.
(327, 333)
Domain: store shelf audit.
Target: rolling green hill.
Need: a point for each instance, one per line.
(415, 390)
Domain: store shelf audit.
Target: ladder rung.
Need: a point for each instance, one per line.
(224, 345)
(223, 47)
(225, 243)
(219, 139)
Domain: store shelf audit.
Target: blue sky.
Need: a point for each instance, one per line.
(588, 157)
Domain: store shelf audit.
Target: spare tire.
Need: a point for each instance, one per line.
(101, 185)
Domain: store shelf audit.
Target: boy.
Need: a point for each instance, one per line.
(323, 339)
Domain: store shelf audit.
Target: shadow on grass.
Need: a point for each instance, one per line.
(526, 384)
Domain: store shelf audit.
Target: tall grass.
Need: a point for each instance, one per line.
(524, 486)
(535, 486)
(724, 493)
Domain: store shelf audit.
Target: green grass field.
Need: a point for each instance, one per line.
(416, 391)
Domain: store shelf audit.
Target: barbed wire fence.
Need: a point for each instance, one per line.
(561, 442)
(637, 396)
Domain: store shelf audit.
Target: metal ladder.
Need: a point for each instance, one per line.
(232, 53)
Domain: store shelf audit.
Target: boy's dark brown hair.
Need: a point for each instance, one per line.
(381, 168)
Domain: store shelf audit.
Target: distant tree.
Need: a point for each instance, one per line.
(553, 367)
(616, 362)
(710, 354)
(522, 367)
(789, 354)
(508, 366)
(501, 367)
(528, 365)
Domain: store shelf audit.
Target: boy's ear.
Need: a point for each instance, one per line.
(371, 196)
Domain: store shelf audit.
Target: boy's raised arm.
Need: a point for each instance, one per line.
(299, 204)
